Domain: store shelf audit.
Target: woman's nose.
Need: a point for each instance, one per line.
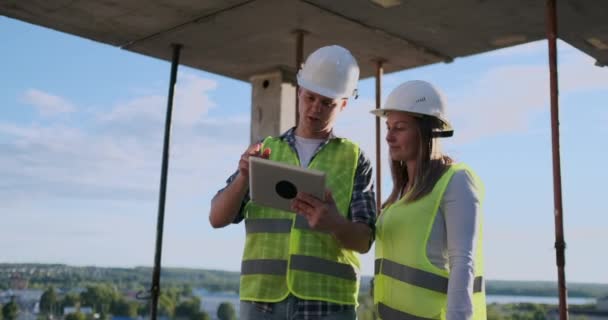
(389, 137)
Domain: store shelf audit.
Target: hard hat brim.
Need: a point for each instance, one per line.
(446, 131)
(308, 85)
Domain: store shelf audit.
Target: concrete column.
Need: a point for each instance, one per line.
(272, 103)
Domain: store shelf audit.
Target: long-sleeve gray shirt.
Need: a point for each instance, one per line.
(452, 242)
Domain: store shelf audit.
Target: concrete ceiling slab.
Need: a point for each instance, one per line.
(241, 38)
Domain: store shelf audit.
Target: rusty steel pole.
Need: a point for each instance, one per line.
(379, 72)
(560, 244)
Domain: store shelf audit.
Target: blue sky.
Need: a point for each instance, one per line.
(81, 127)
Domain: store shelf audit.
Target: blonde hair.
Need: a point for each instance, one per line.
(431, 164)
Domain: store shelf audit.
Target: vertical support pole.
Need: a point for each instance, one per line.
(379, 72)
(560, 244)
(299, 60)
(155, 290)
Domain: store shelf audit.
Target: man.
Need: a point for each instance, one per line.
(306, 265)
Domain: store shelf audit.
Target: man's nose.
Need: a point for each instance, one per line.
(317, 106)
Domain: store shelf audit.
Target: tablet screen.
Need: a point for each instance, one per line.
(274, 184)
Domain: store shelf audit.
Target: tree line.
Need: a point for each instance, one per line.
(40, 276)
(106, 301)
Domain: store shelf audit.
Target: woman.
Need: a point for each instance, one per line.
(428, 236)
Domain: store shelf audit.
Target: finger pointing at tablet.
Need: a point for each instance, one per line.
(253, 151)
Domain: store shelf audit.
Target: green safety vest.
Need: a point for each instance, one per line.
(406, 284)
(283, 255)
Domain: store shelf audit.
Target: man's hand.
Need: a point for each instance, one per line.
(253, 151)
(322, 215)
(225, 205)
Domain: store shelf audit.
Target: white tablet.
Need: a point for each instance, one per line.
(274, 184)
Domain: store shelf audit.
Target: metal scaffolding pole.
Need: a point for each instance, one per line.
(155, 290)
(379, 72)
(299, 60)
(560, 244)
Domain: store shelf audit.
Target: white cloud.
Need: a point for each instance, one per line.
(47, 104)
(62, 162)
(578, 73)
(68, 186)
(121, 155)
(192, 101)
(141, 109)
(190, 105)
(505, 98)
(499, 102)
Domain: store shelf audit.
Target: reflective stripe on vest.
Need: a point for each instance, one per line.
(322, 266)
(419, 278)
(299, 262)
(264, 266)
(387, 312)
(301, 223)
(270, 225)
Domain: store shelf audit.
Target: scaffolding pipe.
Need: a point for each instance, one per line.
(379, 72)
(299, 60)
(155, 290)
(560, 244)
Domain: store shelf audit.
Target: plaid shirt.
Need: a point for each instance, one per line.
(362, 210)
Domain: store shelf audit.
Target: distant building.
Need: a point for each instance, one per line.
(27, 295)
(5, 296)
(18, 282)
(83, 310)
(27, 300)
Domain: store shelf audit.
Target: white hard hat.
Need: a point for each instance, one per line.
(330, 71)
(418, 98)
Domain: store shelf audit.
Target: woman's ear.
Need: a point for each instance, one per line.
(343, 104)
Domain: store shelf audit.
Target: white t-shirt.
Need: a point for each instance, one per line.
(306, 149)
